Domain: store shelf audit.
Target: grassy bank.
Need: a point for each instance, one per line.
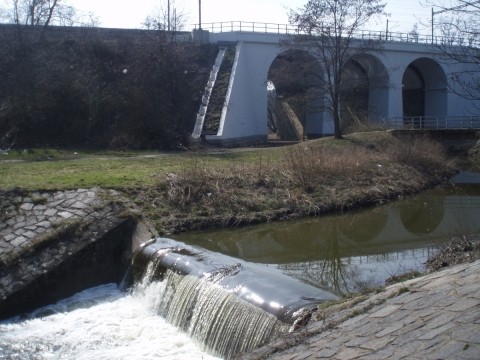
(194, 190)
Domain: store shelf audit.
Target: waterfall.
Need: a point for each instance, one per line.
(225, 304)
(225, 324)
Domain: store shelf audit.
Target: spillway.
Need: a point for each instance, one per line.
(228, 305)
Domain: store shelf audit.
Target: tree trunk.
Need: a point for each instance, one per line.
(336, 124)
(336, 119)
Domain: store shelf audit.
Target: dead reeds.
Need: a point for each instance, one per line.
(300, 180)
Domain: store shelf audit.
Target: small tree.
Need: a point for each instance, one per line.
(330, 28)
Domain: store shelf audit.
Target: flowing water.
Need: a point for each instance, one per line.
(99, 323)
(219, 319)
(229, 305)
(175, 318)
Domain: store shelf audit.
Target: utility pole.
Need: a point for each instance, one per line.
(433, 14)
(168, 15)
(199, 14)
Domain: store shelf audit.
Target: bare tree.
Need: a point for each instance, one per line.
(45, 13)
(169, 18)
(330, 27)
(459, 25)
(41, 12)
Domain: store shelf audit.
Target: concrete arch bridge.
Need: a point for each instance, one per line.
(408, 83)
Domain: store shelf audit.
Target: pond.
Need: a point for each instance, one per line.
(352, 251)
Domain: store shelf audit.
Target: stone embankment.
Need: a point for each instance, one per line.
(436, 316)
(53, 244)
(26, 216)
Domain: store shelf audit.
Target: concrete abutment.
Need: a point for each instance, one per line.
(67, 242)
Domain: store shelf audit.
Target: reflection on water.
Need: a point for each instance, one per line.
(347, 252)
(423, 216)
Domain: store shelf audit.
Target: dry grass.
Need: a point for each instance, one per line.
(307, 179)
(421, 153)
(311, 167)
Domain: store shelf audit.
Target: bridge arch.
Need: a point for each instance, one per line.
(424, 89)
(365, 89)
(366, 80)
(295, 74)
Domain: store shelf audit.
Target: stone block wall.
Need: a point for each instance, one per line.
(54, 244)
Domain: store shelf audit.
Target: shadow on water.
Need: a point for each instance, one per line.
(356, 250)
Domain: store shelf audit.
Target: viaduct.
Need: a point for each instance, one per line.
(408, 78)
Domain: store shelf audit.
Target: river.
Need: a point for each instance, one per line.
(341, 252)
(360, 249)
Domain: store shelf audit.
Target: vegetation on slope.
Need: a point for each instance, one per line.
(186, 191)
(219, 91)
(86, 91)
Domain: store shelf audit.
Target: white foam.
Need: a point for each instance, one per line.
(99, 323)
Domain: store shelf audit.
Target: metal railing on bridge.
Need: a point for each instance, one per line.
(289, 29)
(258, 27)
(433, 122)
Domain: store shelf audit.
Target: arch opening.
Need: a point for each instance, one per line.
(413, 92)
(354, 96)
(364, 92)
(424, 92)
(295, 100)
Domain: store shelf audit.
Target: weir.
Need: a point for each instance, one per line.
(227, 304)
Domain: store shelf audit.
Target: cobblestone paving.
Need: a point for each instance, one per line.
(24, 217)
(433, 317)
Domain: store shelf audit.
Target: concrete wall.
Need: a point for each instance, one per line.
(246, 100)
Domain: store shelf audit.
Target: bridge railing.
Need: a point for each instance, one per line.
(433, 122)
(289, 29)
(258, 27)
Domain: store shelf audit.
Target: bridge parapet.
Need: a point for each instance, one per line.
(289, 29)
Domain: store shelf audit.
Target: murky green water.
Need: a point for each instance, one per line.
(351, 251)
